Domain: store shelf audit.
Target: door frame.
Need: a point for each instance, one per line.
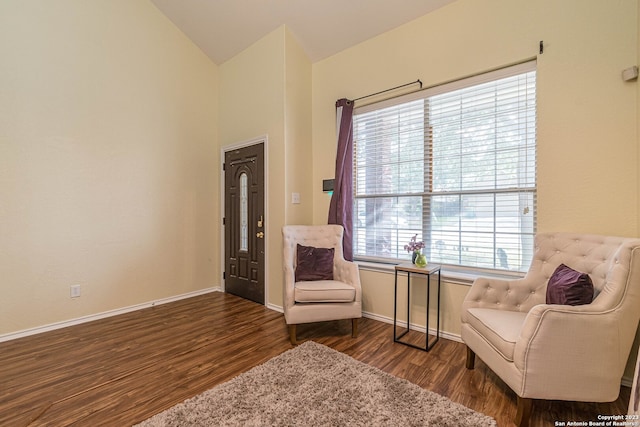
(264, 139)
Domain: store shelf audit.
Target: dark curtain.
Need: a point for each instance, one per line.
(341, 207)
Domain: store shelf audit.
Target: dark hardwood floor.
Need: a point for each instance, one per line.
(121, 370)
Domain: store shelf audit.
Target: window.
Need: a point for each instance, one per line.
(455, 164)
(244, 213)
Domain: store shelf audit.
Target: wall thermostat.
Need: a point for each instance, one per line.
(327, 185)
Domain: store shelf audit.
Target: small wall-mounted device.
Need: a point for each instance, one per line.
(327, 185)
(630, 74)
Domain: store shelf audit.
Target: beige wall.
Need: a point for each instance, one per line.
(634, 353)
(298, 133)
(108, 166)
(110, 140)
(265, 90)
(587, 116)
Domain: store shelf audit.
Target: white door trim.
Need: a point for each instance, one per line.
(264, 139)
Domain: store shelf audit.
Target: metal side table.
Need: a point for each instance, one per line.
(428, 271)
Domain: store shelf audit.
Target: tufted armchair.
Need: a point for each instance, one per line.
(322, 300)
(558, 352)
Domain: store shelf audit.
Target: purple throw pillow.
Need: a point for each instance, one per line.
(569, 287)
(314, 263)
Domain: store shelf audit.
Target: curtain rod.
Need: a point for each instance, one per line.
(389, 90)
(533, 58)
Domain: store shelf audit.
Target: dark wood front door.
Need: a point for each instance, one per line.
(244, 222)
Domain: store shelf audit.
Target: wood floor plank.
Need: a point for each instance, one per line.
(121, 370)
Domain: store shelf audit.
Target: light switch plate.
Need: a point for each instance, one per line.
(630, 74)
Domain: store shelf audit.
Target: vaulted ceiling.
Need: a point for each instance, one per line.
(223, 28)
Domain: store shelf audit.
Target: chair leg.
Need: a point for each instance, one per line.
(471, 359)
(354, 328)
(524, 411)
(292, 334)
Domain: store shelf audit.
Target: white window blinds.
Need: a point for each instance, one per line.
(454, 164)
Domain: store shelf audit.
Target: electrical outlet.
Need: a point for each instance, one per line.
(75, 291)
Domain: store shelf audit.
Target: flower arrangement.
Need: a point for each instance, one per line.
(414, 246)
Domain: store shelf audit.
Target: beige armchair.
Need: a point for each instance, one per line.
(558, 352)
(319, 300)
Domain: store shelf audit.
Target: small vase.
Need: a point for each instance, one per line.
(421, 260)
(414, 256)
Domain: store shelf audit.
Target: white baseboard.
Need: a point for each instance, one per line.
(627, 382)
(84, 319)
(414, 327)
(384, 319)
(274, 307)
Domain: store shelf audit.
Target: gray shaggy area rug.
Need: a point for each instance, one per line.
(313, 385)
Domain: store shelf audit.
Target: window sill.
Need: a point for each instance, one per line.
(448, 274)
